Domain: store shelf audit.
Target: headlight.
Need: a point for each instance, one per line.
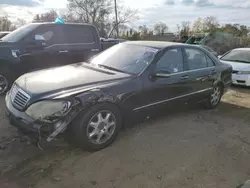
(48, 110)
(243, 72)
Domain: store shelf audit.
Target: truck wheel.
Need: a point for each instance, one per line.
(5, 81)
(97, 127)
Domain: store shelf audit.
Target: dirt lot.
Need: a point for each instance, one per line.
(187, 147)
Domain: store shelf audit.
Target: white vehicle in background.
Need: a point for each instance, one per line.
(239, 59)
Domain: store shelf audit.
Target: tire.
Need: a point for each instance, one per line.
(215, 97)
(5, 80)
(86, 130)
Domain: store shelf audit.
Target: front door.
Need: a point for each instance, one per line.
(35, 56)
(161, 90)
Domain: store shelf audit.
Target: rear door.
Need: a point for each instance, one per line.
(82, 42)
(201, 71)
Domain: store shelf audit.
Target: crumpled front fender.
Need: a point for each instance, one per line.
(95, 96)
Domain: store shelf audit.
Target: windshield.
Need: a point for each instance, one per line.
(19, 33)
(238, 56)
(127, 58)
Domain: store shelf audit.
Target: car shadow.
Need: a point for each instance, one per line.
(224, 109)
(161, 112)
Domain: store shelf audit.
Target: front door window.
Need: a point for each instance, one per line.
(171, 62)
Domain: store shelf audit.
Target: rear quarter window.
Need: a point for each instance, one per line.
(79, 34)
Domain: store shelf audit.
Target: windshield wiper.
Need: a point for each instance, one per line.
(112, 68)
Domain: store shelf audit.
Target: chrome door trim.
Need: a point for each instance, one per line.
(167, 100)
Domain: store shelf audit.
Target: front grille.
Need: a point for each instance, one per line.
(235, 72)
(19, 98)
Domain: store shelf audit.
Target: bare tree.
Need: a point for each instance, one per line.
(185, 28)
(21, 22)
(210, 23)
(5, 24)
(198, 25)
(91, 11)
(101, 13)
(46, 17)
(160, 28)
(125, 16)
(178, 30)
(144, 30)
(70, 17)
(123, 29)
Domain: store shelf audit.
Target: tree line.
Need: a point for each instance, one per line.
(200, 25)
(101, 14)
(97, 12)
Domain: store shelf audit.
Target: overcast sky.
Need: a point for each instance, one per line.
(171, 12)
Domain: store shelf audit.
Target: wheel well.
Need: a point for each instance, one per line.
(116, 105)
(85, 108)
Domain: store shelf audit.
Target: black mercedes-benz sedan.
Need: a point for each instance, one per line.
(91, 100)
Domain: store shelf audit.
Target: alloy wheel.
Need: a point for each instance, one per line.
(3, 84)
(216, 95)
(101, 127)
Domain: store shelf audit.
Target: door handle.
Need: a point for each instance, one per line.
(184, 77)
(63, 51)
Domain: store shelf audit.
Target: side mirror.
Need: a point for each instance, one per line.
(40, 40)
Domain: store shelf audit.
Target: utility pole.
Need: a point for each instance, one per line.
(116, 20)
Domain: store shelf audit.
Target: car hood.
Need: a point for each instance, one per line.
(65, 79)
(238, 66)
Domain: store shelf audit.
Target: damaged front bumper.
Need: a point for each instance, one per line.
(37, 129)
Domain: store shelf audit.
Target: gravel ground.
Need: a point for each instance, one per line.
(187, 147)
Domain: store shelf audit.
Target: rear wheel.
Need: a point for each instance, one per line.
(98, 127)
(215, 97)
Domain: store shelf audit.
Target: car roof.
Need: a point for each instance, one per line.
(157, 44)
(51, 23)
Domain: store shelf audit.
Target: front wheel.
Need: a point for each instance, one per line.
(215, 97)
(5, 81)
(98, 127)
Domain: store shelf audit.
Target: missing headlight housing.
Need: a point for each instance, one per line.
(49, 110)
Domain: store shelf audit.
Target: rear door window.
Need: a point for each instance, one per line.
(196, 59)
(78, 34)
(210, 62)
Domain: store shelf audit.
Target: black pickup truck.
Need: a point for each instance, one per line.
(43, 45)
